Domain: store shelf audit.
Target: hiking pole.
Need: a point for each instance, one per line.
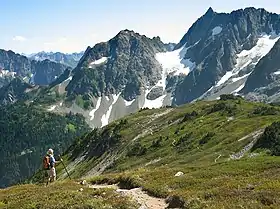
(64, 166)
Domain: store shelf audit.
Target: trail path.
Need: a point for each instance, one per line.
(137, 194)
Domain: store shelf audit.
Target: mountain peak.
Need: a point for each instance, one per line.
(210, 11)
(126, 32)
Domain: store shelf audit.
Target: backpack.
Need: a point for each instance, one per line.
(46, 162)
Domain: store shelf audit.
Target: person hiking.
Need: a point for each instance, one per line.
(49, 165)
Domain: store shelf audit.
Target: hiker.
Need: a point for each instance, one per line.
(49, 165)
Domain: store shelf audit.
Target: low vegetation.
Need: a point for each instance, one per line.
(60, 196)
(198, 141)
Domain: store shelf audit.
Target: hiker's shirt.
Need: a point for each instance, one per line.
(52, 161)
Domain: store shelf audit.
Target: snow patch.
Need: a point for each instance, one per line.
(106, 116)
(98, 62)
(217, 30)
(69, 79)
(52, 108)
(32, 78)
(91, 113)
(128, 103)
(174, 62)
(252, 56)
(156, 103)
(277, 72)
(238, 89)
(239, 78)
(227, 76)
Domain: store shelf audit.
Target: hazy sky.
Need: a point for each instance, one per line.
(71, 25)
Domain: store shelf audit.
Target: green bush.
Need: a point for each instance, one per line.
(264, 110)
(206, 138)
(270, 139)
(137, 149)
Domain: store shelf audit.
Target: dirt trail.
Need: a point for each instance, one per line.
(142, 198)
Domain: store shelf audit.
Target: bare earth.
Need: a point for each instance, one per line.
(138, 195)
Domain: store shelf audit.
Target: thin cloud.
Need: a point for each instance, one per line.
(19, 38)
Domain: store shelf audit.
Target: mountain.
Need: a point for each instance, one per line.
(27, 132)
(37, 72)
(225, 49)
(218, 54)
(70, 60)
(14, 91)
(186, 153)
(266, 74)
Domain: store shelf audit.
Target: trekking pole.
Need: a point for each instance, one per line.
(64, 167)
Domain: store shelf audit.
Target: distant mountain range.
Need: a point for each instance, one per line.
(70, 60)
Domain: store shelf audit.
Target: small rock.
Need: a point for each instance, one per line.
(81, 189)
(175, 202)
(83, 182)
(250, 187)
(179, 174)
(230, 119)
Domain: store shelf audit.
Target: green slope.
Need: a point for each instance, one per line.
(148, 148)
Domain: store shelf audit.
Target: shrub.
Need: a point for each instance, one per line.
(226, 97)
(270, 139)
(137, 149)
(189, 116)
(228, 108)
(157, 143)
(183, 141)
(264, 110)
(206, 138)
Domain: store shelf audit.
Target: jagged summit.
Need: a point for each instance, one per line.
(209, 11)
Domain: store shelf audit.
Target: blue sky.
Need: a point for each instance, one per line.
(29, 26)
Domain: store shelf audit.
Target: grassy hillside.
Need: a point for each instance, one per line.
(210, 142)
(61, 195)
(227, 153)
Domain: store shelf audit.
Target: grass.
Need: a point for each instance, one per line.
(151, 146)
(60, 195)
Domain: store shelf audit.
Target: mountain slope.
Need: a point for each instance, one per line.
(124, 64)
(209, 142)
(70, 60)
(14, 91)
(26, 133)
(129, 72)
(37, 72)
(227, 48)
(267, 75)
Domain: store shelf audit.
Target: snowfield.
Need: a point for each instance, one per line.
(91, 113)
(217, 30)
(174, 62)
(106, 116)
(98, 62)
(252, 56)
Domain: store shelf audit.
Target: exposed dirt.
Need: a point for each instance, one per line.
(137, 194)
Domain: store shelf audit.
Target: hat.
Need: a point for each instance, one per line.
(50, 151)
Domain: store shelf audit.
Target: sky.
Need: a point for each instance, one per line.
(29, 26)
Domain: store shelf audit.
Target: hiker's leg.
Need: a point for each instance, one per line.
(52, 175)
